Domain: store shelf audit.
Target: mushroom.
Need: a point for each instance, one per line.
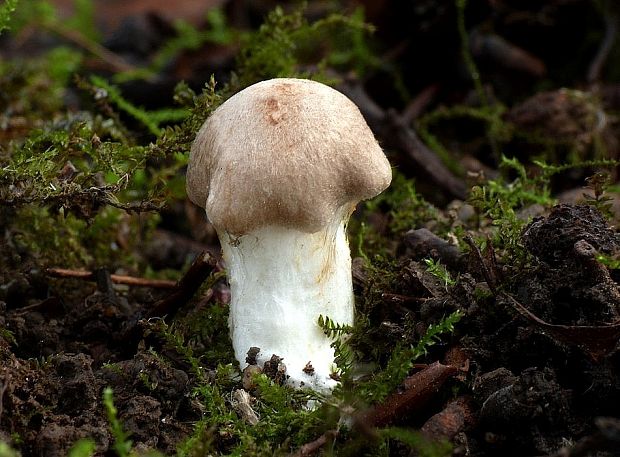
(279, 168)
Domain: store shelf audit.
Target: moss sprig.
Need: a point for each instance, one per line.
(122, 444)
(339, 333)
(501, 199)
(6, 10)
(402, 358)
(285, 46)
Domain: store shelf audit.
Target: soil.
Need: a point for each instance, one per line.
(535, 387)
(65, 353)
(530, 390)
(534, 364)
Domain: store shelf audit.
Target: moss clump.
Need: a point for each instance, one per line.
(285, 46)
(6, 10)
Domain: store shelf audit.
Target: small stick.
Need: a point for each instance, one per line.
(3, 387)
(418, 390)
(187, 286)
(404, 299)
(611, 30)
(419, 103)
(396, 133)
(399, 135)
(313, 447)
(114, 61)
(488, 277)
(118, 279)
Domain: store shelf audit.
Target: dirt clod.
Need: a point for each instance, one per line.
(552, 238)
(275, 369)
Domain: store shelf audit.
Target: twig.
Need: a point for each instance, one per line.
(419, 389)
(118, 279)
(313, 447)
(401, 136)
(491, 46)
(402, 299)
(419, 103)
(3, 386)
(116, 63)
(488, 277)
(47, 302)
(611, 30)
(596, 340)
(394, 131)
(455, 417)
(187, 286)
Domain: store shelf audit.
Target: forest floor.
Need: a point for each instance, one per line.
(486, 277)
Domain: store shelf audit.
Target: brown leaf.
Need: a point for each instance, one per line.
(596, 340)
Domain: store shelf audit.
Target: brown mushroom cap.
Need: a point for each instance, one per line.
(287, 152)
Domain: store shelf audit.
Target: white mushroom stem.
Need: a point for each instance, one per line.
(281, 280)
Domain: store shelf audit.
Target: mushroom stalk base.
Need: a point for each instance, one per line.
(281, 280)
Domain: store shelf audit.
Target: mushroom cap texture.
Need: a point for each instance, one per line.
(286, 152)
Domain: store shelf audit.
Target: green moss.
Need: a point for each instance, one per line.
(339, 333)
(187, 38)
(416, 441)
(6, 10)
(401, 360)
(599, 183)
(115, 368)
(7, 336)
(501, 199)
(489, 119)
(33, 12)
(210, 327)
(8, 451)
(435, 268)
(71, 183)
(122, 444)
(83, 19)
(176, 340)
(33, 90)
(82, 448)
(404, 208)
(465, 51)
(109, 91)
(286, 43)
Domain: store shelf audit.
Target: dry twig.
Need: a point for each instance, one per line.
(395, 132)
(3, 387)
(418, 390)
(187, 286)
(115, 62)
(313, 447)
(611, 31)
(118, 279)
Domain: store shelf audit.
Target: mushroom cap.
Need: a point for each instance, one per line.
(286, 152)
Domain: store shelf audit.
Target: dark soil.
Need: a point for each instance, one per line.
(533, 387)
(529, 389)
(65, 353)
